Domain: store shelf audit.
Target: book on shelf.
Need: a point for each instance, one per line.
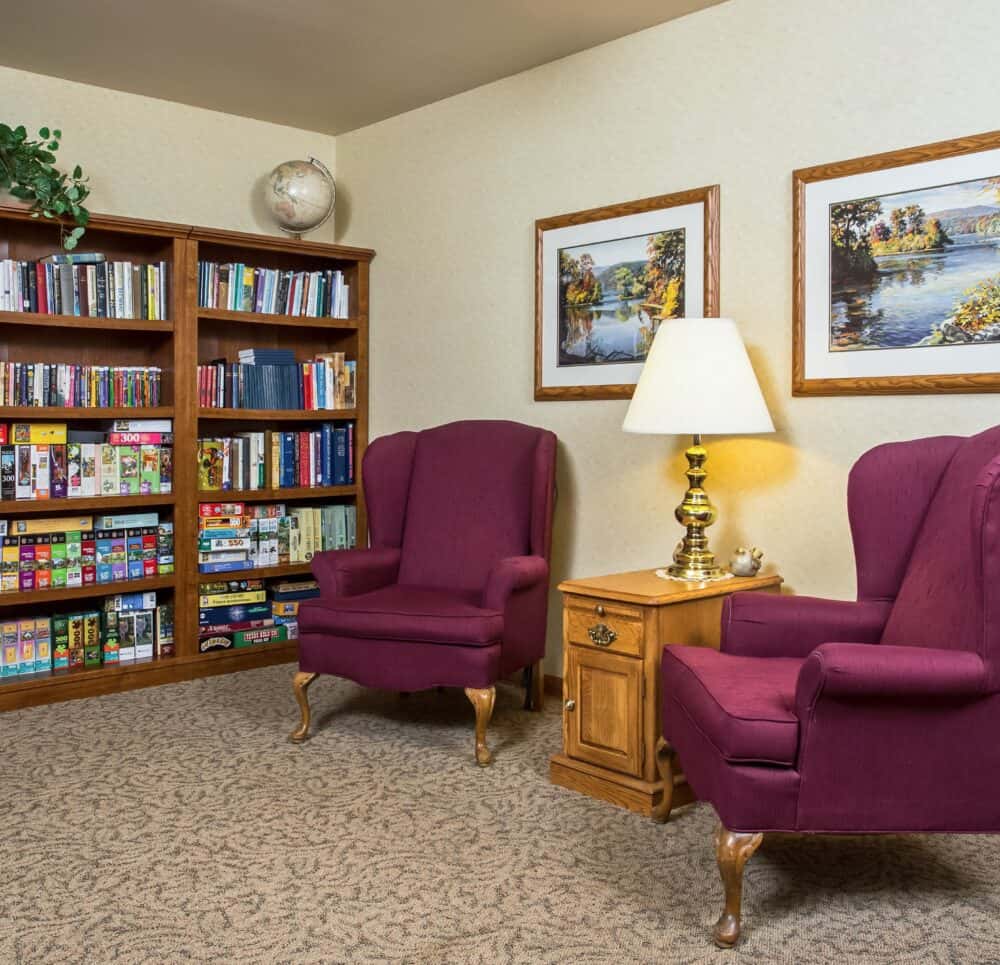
(271, 535)
(95, 288)
(49, 461)
(272, 291)
(327, 381)
(278, 460)
(127, 628)
(79, 386)
(69, 552)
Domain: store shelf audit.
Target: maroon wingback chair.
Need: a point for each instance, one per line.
(875, 716)
(453, 591)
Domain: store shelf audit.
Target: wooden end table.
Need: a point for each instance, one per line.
(614, 630)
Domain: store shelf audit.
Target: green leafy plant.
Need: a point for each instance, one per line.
(28, 173)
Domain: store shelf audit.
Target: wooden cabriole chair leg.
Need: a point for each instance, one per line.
(665, 765)
(482, 699)
(733, 849)
(537, 692)
(300, 684)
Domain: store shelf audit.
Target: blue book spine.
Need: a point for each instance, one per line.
(287, 459)
(325, 455)
(340, 457)
(223, 567)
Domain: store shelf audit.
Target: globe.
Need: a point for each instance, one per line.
(300, 195)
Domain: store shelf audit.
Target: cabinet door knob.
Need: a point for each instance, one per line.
(600, 610)
(570, 704)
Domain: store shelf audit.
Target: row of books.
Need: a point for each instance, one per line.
(273, 379)
(278, 460)
(79, 386)
(73, 551)
(89, 286)
(271, 291)
(240, 613)
(50, 461)
(130, 627)
(240, 536)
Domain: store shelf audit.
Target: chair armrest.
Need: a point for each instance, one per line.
(510, 575)
(350, 572)
(852, 670)
(772, 625)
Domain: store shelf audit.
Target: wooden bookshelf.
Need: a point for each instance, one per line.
(192, 334)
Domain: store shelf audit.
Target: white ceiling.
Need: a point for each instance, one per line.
(322, 65)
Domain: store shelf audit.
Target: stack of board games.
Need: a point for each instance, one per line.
(286, 597)
(237, 613)
(128, 628)
(278, 460)
(49, 461)
(238, 536)
(85, 283)
(273, 379)
(73, 551)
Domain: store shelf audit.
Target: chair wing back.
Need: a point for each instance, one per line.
(950, 589)
(889, 490)
(479, 491)
(385, 472)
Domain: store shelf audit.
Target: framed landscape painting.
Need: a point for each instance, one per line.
(897, 272)
(606, 278)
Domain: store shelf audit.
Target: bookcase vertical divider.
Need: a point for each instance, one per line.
(185, 444)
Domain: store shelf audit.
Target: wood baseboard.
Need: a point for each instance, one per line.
(553, 685)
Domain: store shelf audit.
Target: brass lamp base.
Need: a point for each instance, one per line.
(693, 560)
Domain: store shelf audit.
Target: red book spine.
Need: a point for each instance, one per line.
(43, 292)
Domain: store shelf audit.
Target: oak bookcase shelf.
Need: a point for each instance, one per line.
(85, 504)
(267, 415)
(39, 320)
(263, 318)
(193, 334)
(274, 495)
(50, 413)
(23, 597)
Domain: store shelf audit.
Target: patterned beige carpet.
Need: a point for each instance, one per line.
(178, 825)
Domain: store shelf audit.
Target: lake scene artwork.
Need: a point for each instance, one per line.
(614, 294)
(916, 269)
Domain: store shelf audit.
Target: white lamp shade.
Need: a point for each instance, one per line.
(698, 380)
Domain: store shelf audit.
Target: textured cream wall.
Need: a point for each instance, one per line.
(738, 95)
(149, 158)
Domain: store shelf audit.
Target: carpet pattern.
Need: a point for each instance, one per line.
(177, 824)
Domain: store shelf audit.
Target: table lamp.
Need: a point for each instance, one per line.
(697, 380)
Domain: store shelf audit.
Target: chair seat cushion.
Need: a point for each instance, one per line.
(398, 612)
(745, 706)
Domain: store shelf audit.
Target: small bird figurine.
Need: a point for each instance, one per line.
(746, 562)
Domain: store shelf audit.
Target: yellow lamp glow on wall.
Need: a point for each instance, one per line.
(697, 380)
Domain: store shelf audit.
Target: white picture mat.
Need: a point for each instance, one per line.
(820, 362)
(690, 217)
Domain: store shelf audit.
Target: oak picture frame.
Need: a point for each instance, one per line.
(707, 196)
(910, 384)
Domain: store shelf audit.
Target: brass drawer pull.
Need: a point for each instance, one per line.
(570, 704)
(601, 635)
(599, 610)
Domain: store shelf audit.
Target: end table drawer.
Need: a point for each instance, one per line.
(604, 625)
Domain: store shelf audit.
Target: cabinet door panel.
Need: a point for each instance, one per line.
(604, 726)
